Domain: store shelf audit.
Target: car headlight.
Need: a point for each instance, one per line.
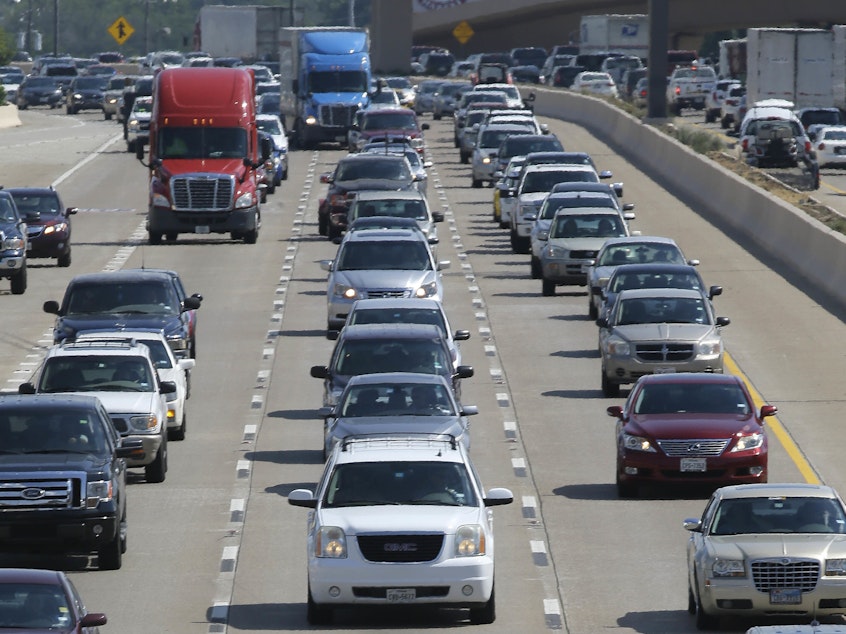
(746, 443)
(427, 290)
(528, 210)
(710, 348)
(247, 199)
(416, 142)
(469, 541)
(76, 95)
(160, 200)
(15, 243)
(177, 341)
(728, 568)
(556, 252)
(59, 227)
(143, 422)
(98, 491)
(134, 125)
(486, 160)
(637, 443)
(618, 347)
(330, 542)
(310, 119)
(345, 291)
(835, 567)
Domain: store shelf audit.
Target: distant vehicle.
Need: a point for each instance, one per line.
(13, 248)
(595, 83)
(86, 93)
(48, 225)
(109, 57)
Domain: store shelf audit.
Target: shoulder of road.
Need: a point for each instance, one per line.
(9, 116)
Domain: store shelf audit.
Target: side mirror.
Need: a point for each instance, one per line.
(51, 307)
(464, 372)
(26, 388)
(425, 126)
(628, 216)
(167, 387)
(615, 411)
(444, 264)
(326, 265)
(628, 206)
(605, 174)
(469, 410)
(461, 335)
(332, 335)
(714, 291)
(544, 128)
(319, 371)
(437, 216)
(326, 412)
(618, 188)
(602, 322)
(768, 410)
(70, 211)
(302, 497)
(723, 321)
(326, 178)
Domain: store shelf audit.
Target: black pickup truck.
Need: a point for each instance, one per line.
(62, 477)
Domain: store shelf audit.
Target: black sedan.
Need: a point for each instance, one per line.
(39, 91)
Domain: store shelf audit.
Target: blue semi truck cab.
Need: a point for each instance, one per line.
(325, 79)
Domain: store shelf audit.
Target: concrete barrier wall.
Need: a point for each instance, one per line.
(797, 240)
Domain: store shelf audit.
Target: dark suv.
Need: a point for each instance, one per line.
(129, 299)
(38, 91)
(48, 226)
(86, 93)
(13, 244)
(63, 476)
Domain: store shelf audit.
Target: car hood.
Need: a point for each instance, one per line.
(532, 198)
(700, 426)
(664, 332)
(330, 98)
(452, 425)
(817, 546)
(124, 402)
(87, 462)
(578, 244)
(125, 321)
(400, 518)
(381, 184)
(180, 166)
(399, 132)
(373, 279)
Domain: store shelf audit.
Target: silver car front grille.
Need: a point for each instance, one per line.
(693, 448)
(664, 352)
(387, 293)
(785, 572)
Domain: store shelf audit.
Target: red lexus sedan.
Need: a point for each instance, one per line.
(33, 600)
(689, 428)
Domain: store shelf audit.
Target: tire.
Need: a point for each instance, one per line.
(251, 237)
(515, 240)
(154, 237)
(477, 183)
(691, 601)
(285, 175)
(333, 232)
(705, 621)
(593, 313)
(64, 260)
(486, 614)
(317, 614)
(625, 490)
(107, 116)
(70, 110)
(22, 106)
(179, 432)
(156, 471)
(130, 146)
(609, 388)
(171, 236)
(464, 158)
(710, 117)
(536, 268)
(322, 224)
(110, 556)
(436, 117)
(547, 288)
(18, 281)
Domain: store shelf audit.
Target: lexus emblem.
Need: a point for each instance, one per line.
(696, 446)
(33, 493)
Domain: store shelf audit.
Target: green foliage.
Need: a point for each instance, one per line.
(701, 141)
(7, 48)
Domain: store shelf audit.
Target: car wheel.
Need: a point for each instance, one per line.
(691, 601)
(547, 288)
(179, 432)
(154, 237)
(19, 282)
(285, 175)
(593, 313)
(464, 158)
(322, 225)
(171, 236)
(609, 388)
(156, 470)
(130, 146)
(515, 241)
(64, 260)
(705, 621)
(486, 614)
(625, 490)
(724, 123)
(317, 614)
(477, 183)
(436, 116)
(709, 116)
(251, 237)
(107, 116)
(536, 268)
(110, 556)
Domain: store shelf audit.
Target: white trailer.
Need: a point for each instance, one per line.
(839, 66)
(250, 33)
(792, 64)
(615, 33)
(732, 62)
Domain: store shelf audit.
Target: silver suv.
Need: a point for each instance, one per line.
(123, 376)
(400, 520)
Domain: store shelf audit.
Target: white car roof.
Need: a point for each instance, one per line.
(399, 448)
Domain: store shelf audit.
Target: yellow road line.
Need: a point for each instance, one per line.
(832, 187)
(777, 428)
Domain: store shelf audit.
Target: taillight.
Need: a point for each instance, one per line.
(821, 146)
(678, 90)
(807, 147)
(714, 96)
(745, 145)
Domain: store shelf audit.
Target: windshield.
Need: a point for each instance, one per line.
(97, 373)
(389, 121)
(44, 204)
(34, 606)
(398, 82)
(195, 143)
(516, 146)
(544, 181)
(271, 126)
(151, 298)
(623, 280)
(415, 209)
(401, 255)
(551, 205)
(394, 315)
(699, 398)
(370, 356)
(587, 226)
(397, 399)
(142, 105)
(379, 169)
(642, 253)
(7, 209)
(662, 310)
(493, 138)
(834, 135)
(337, 81)
(778, 515)
(424, 483)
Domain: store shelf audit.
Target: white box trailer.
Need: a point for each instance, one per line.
(615, 33)
(247, 32)
(792, 64)
(839, 66)
(732, 62)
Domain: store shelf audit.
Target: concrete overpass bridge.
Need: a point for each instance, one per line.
(504, 24)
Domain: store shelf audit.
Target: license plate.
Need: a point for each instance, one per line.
(694, 464)
(202, 229)
(785, 596)
(665, 370)
(400, 595)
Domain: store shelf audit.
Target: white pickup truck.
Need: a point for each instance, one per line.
(689, 86)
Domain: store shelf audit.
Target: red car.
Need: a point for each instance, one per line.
(47, 222)
(391, 122)
(691, 428)
(33, 600)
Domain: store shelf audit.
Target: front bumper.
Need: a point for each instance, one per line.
(724, 470)
(738, 596)
(165, 220)
(151, 444)
(58, 530)
(564, 271)
(11, 264)
(629, 369)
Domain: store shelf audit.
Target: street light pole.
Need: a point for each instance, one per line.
(146, 26)
(56, 27)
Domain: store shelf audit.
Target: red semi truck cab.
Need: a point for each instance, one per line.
(204, 152)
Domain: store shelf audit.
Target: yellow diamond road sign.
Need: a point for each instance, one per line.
(121, 30)
(463, 31)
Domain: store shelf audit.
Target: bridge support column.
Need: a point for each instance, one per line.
(659, 27)
(390, 36)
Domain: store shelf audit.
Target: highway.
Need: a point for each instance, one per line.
(216, 547)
